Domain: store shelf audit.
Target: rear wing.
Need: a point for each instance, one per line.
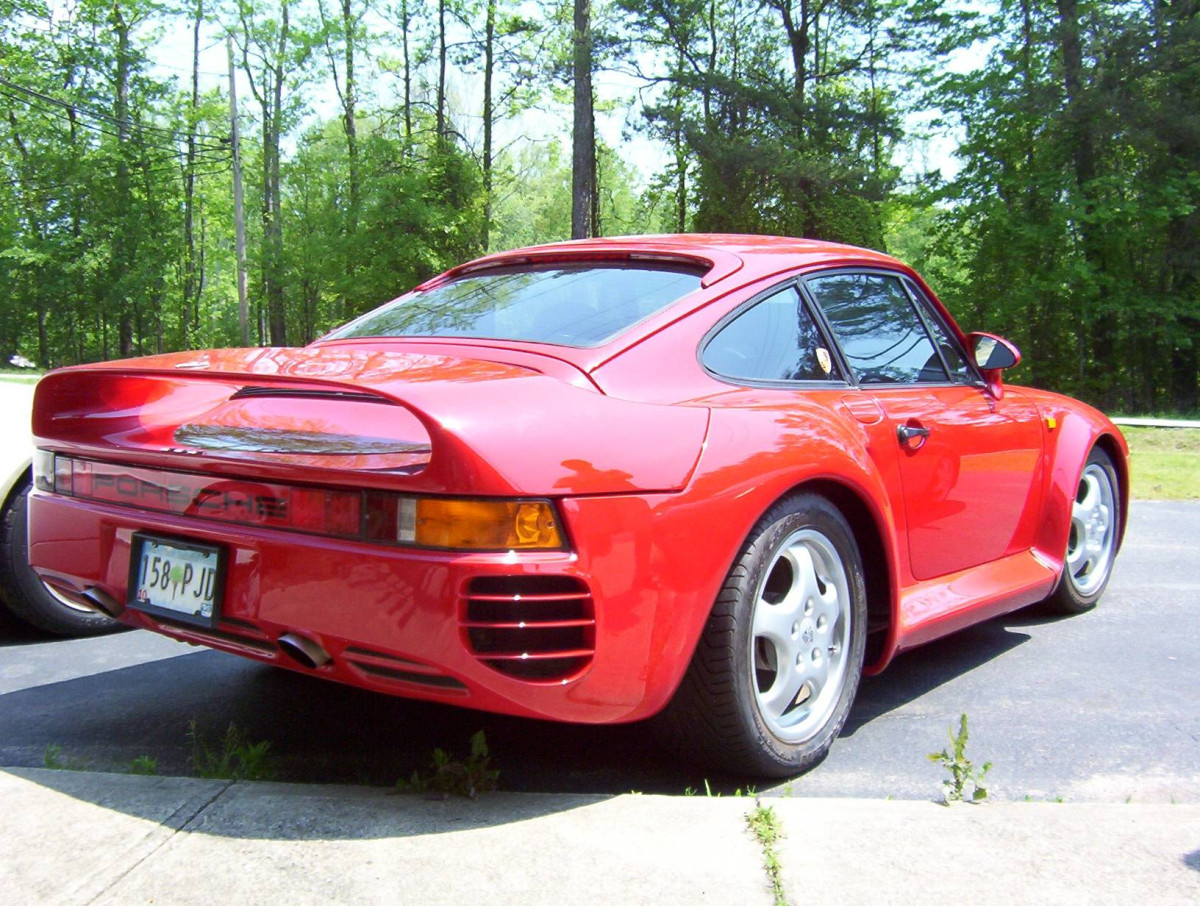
(488, 429)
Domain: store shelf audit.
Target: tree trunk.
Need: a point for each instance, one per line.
(441, 82)
(1100, 328)
(272, 204)
(583, 155)
(120, 266)
(489, 68)
(189, 186)
(349, 102)
(408, 123)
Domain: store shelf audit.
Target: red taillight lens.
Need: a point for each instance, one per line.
(378, 516)
(326, 512)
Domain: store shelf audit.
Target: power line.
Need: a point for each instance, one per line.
(75, 107)
(208, 152)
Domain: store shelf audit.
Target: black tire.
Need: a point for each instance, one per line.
(1081, 585)
(721, 714)
(23, 592)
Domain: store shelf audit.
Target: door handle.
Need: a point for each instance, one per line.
(912, 436)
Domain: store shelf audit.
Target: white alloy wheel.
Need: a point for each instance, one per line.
(800, 636)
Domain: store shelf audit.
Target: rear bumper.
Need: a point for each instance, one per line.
(399, 621)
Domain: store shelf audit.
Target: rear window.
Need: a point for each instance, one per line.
(565, 304)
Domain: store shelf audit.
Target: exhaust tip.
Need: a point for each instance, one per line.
(303, 651)
(98, 599)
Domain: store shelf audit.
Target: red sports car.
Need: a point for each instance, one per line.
(709, 478)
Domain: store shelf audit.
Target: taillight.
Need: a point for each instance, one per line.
(449, 523)
(326, 512)
(457, 523)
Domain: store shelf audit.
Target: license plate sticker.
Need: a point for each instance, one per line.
(175, 578)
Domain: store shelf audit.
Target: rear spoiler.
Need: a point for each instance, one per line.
(502, 430)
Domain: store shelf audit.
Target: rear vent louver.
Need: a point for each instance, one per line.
(382, 667)
(540, 628)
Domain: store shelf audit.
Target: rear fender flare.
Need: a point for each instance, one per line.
(743, 494)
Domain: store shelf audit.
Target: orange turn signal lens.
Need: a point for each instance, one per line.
(485, 524)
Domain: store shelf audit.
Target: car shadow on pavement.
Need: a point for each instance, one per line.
(915, 673)
(319, 732)
(14, 632)
(268, 811)
(326, 733)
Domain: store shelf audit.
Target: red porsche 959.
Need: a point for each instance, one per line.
(709, 478)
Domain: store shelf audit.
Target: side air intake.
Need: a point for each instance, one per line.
(537, 628)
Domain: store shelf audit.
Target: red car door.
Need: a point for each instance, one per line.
(969, 463)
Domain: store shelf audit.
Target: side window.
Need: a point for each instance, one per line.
(776, 340)
(960, 371)
(878, 328)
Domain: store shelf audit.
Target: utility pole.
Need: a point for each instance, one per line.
(239, 216)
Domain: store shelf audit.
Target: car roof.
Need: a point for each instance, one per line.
(723, 254)
(730, 261)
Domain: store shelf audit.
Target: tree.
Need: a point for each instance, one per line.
(273, 57)
(583, 141)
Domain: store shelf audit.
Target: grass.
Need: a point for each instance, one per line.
(234, 757)
(1164, 463)
(966, 780)
(144, 765)
(468, 776)
(54, 759)
(764, 824)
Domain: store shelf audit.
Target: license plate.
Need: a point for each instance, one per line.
(175, 578)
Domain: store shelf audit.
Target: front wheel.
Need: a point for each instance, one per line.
(777, 666)
(1092, 544)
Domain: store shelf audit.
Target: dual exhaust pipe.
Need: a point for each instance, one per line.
(301, 649)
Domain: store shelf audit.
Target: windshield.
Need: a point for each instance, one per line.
(567, 304)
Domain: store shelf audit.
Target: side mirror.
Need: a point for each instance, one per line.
(992, 356)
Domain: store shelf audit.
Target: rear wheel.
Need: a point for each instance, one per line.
(26, 595)
(1092, 544)
(778, 664)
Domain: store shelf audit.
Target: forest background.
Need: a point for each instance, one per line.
(385, 140)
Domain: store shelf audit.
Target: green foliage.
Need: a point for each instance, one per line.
(966, 782)
(468, 777)
(1162, 463)
(53, 759)
(1073, 225)
(764, 824)
(1070, 222)
(738, 792)
(144, 765)
(784, 124)
(234, 757)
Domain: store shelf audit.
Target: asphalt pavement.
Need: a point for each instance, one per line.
(1095, 708)
(1098, 711)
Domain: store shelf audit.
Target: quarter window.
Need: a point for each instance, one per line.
(775, 340)
(878, 328)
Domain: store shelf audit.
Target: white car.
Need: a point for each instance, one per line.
(21, 591)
